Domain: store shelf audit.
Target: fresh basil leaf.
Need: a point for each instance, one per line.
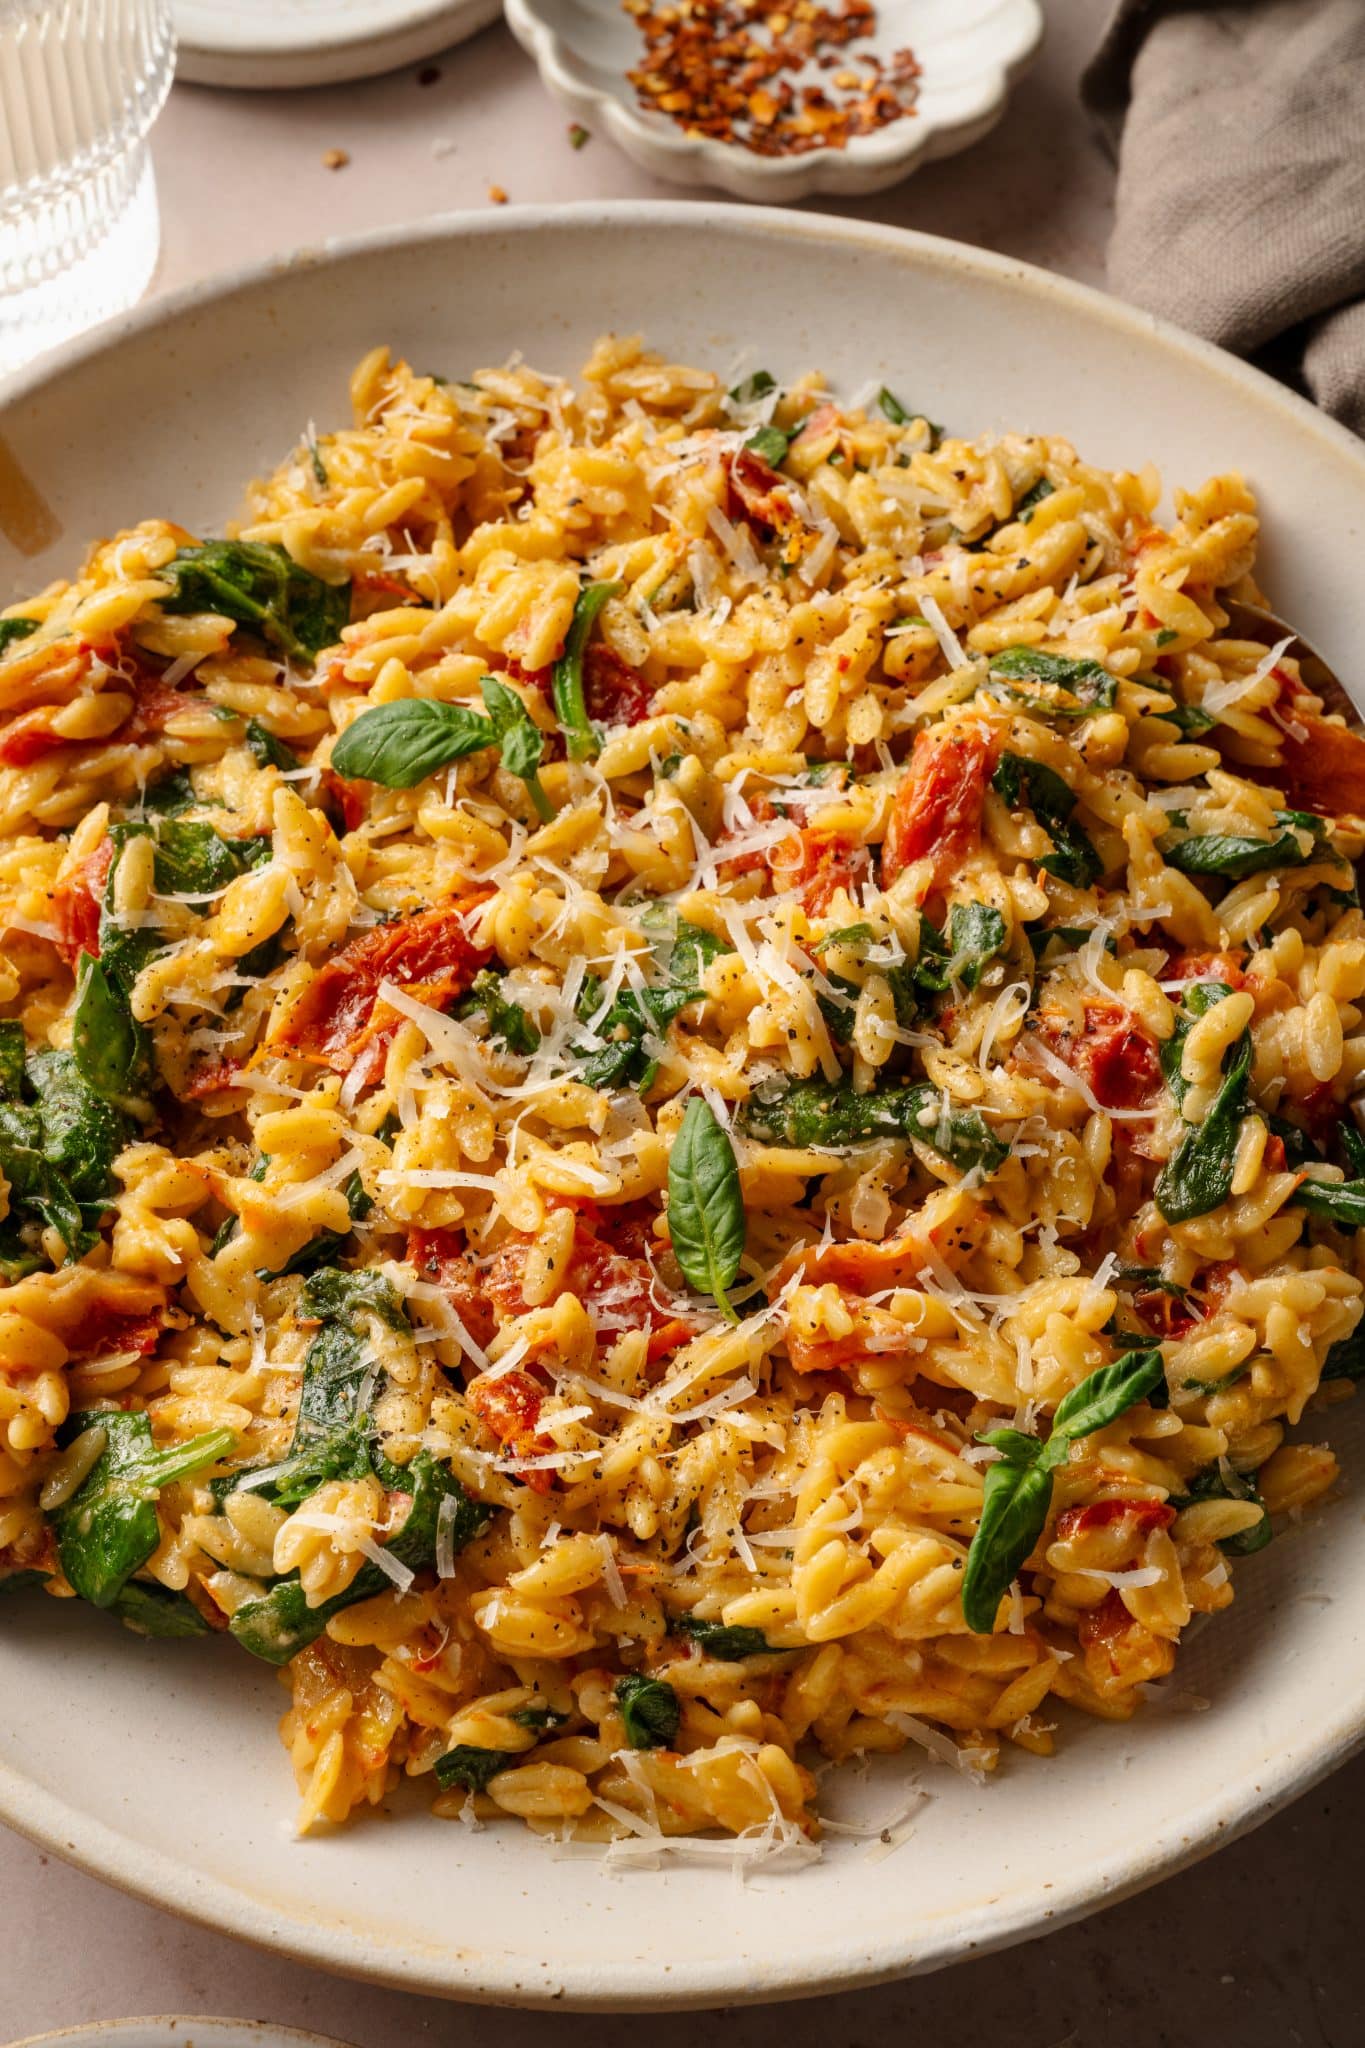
(580, 734)
(1106, 1393)
(1018, 1489)
(256, 584)
(901, 415)
(706, 1221)
(520, 740)
(1013, 1516)
(650, 1710)
(1166, 635)
(400, 744)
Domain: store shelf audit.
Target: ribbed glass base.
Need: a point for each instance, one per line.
(82, 269)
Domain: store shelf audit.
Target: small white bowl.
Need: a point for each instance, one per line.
(970, 51)
(179, 2030)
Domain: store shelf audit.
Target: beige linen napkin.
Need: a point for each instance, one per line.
(1240, 129)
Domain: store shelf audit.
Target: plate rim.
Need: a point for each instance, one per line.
(303, 56)
(635, 1986)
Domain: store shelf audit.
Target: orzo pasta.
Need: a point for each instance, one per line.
(674, 1080)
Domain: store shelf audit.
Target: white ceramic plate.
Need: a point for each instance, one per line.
(971, 52)
(277, 43)
(156, 1765)
(179, 2030)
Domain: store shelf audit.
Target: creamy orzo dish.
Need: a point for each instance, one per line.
(674, 1079)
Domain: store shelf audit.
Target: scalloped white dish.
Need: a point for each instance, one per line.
(155, 1765)
(971, 53)
(282, 43)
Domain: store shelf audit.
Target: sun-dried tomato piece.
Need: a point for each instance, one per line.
(27, 739)
(1140, 1517)
(340, 1015)
(510, 1403)
(76, 904)
(442, 1257)
(937, 813)
(615, 693)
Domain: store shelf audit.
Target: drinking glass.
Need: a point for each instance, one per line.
(81, 82)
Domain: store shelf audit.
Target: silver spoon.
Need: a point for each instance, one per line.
(1254, 622)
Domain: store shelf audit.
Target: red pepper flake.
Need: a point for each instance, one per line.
(732, 69)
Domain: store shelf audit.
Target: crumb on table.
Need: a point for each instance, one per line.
(335, 159)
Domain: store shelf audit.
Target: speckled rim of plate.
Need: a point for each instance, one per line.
(180, 2030)
(1222, 1813)
(274, 48)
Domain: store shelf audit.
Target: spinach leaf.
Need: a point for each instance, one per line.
(108, 1529)
(280, 1623)
(1018, 1488)
(1188, 718)
(13, 1051)
(539, 1717)
(520, 739)
(507, 1021)
(57, 1151)
(1024, 507)
(268, 751)
(337, 1360)
(152, 1610)
(751, 388)
(650, 1710)
(1236, 854)
(1337, 1201)
(810, 1113)
(580, 734)
(1019, 780)
(622, 1060)
(400, 744)
(191, 859)
(706, 1221)
(1217, 1484)
(727, 1645)
(256, 584)
(1198, 1175)
(471, 1767)
(22, 1581)
(1346, 1359)
(14, 630)
(694, 948)
(109, 1046)
(976, 933)
(770, 444)
(170, 794)
(1198, 999)
(901, 415)
(322, 1250)
(1088, 681)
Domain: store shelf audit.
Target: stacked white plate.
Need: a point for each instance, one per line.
(273, 43)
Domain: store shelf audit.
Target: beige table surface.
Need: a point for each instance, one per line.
(1259, 1947)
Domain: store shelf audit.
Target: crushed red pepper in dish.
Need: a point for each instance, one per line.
(733, 69)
